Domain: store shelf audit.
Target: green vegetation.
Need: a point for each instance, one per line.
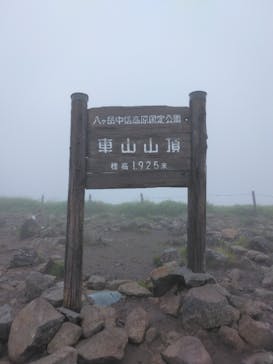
(145, 209)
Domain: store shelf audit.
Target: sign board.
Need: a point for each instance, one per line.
(129, 147)
(145, 146)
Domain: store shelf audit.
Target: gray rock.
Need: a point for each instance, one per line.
(187, 350)
(195, 279)
(207, 307)
(36, 283)
(151, 334)
(70, 315)
(256, 333)
(231, 338)
(134, 289)
(54, 295)
(68, 335)
(136, 325)
(32, 329)
(92, 320)
(29, 229)
(25, 257)
(259, 358)
(106, 347)
(261, 244)
(96, 282)
(65, 355)
(170, 304)
(105, 298)
(258, 257)
(5, 321)
(114, 285)
(264, 293)
(215, 259)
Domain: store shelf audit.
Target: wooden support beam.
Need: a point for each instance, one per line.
(197, 187)
(75, 206)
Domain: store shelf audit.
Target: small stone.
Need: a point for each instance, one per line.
(264, 293)
(229, 234)
(268, 278)
(25, 257)
(68, 335)
(151, 334)
(259, 358)
(114, 285)
(187, 350)
(54, 295)
(170, 304)
(136, 325)
(96, 282)
(70, 315)
(169, 255)
(134, 289)
(231, 338)
(36, 283)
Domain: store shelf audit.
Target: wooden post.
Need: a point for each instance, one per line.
(254, 200)
(197, 188)
(141, 198)
(75, 206)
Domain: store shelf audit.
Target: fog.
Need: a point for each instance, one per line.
(127, 52)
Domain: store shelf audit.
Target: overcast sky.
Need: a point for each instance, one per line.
(136, 52)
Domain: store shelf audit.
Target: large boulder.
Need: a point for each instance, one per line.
(106, 347)
(32, 329)
(256, 333)
(65, 355)
(36, 283)
(136, 325)
(207, 307)
(187, 350)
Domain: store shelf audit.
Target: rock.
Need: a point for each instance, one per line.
(29, 229)
(151, 334)
(256, 333)
(65, 355)
(195, 279)
(170, 337)
(5, 321)
(261, 244)
(96, 282)
(229, 234)
(54, 295)
(237, 250)
(70, 315)
(105, 298)
(248, 306)
(268, 278)
(165, 277)
(134, 289)
(170, 304)
(92, 320)
(36, 283)
(258, 257)
(32, 329)
(187, 350)
(136, 325)
(231, 338)
(207, 307)
(169, 255)
(215, 259)
(156, 359)
(25, 257)
(114, 285)
(94, 350)
(259, 358)
(68, 335)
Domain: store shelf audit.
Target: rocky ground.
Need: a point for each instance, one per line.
(163, 312)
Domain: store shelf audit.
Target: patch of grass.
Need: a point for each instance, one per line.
(223, 249)
(183, 255)
(242, 241)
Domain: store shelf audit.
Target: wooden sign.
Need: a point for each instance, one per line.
(129, 147)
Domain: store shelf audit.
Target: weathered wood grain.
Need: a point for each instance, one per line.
(197, 185)
(75, 206)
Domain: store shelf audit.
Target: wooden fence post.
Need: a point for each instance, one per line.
(254, 200)
(75, 205)
(196, 248)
